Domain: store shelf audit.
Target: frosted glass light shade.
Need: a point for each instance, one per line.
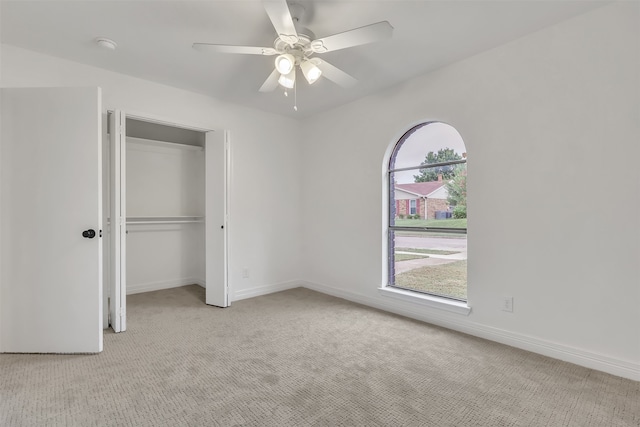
(310, 71)
(288, 80)
(285, 63)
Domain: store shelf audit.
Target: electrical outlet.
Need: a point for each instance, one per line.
(507, 304)
(245, 273)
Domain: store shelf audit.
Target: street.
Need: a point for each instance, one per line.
(453, 243)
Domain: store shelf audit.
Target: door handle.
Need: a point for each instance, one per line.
(89, 234)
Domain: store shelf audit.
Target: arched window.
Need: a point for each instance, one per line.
(428, 212)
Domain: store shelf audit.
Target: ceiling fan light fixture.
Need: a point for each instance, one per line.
(288, 80)
(285, 63)
(310, 71)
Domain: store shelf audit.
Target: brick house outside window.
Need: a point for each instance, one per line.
(421, 198)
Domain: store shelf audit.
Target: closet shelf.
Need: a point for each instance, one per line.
(156, 143)
(141, 220)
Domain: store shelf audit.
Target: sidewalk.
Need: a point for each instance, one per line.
(433, 259)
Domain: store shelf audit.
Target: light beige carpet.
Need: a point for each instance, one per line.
(300, 358)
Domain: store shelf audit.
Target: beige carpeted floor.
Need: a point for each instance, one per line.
(300, 358)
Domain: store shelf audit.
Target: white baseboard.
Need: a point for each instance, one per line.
(138, 288)
(580, 357)
(264, 290)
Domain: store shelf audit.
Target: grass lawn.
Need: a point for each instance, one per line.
(427, 251)
(447, 279)
(407, 257)
(442, 223)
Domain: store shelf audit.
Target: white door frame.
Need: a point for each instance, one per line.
(217, 291)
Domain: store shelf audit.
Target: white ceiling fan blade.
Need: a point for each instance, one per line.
(334, 74)
(356, 37)
(280, 16)
(223, 48)
(271, 83)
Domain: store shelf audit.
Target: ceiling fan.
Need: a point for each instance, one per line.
(296, 45)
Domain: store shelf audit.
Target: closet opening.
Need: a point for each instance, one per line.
(168, 198)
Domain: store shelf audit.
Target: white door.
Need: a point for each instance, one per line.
(117, 221)
(217, 181)
(50, 219)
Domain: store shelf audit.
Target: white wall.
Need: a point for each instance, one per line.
(164, 256)
(164, 181)
(265, 175)
(550, 122)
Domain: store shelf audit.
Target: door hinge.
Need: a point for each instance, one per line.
(122, 312)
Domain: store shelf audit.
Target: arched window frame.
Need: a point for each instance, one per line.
(391, 206)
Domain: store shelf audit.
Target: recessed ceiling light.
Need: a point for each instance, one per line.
(106, 43)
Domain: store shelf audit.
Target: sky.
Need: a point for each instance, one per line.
(431, 137)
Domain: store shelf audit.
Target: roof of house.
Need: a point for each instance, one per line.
(422, 189)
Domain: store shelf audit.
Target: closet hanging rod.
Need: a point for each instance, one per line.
(177, 221)
(184, 219)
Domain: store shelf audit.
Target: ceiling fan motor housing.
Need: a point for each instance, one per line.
(301, 49)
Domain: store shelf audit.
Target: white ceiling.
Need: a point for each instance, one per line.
(155, 37)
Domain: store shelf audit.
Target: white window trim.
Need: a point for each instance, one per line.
(426, 300)
(413, 202)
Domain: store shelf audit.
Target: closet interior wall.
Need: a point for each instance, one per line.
(165, 206)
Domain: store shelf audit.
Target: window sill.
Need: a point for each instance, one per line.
(452, 306)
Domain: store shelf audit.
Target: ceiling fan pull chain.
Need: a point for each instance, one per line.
(295, 96)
